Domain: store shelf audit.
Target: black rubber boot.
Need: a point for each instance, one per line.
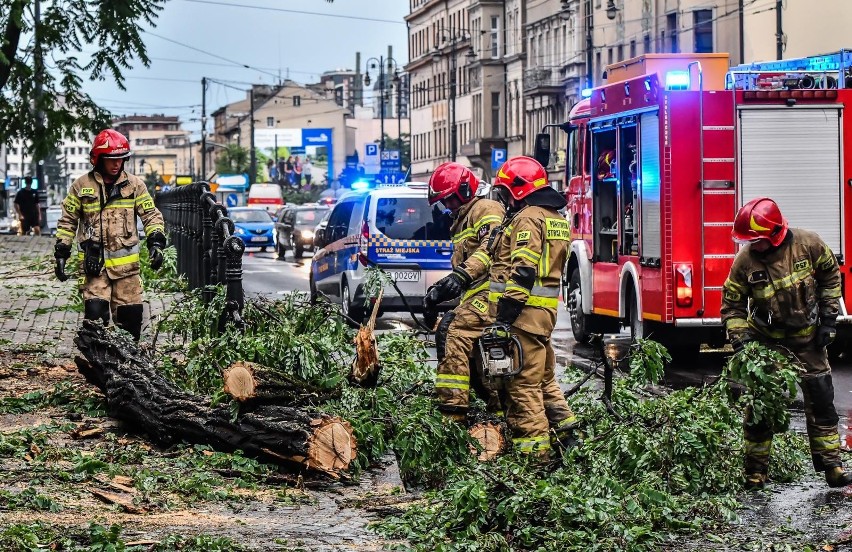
(96, 309)
(129, 319)
(836, 477)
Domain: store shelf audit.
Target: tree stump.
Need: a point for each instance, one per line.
(366, 366)
(491, 436)
(139, 395)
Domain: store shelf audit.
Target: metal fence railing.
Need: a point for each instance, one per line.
(208, 252)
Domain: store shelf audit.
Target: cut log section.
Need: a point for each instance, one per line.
(366, 366)
(250, 382)
(491, 438)
(139, 395)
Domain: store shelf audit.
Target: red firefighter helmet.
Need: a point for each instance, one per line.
(110, 144)
(606, 165)
(760, 219)
(521, 176)
(452, 178)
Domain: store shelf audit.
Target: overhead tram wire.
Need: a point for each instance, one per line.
(300, 12)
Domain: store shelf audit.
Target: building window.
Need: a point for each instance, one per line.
(495, 114)
(620, 52)
(647, 43)
(671, 31)
(495, 36)
(702, 22)
(632, 48)
(270, 122)
(297, 101)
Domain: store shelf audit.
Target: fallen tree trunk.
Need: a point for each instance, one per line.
(253, 383)
(139, 395)
(491, 437)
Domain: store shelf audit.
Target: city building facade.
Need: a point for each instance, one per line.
(158, 144)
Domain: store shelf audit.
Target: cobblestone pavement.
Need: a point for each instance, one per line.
(34, 310)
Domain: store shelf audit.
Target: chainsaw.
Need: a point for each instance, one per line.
(501, 357)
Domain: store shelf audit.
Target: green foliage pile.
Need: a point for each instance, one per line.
(670, 465)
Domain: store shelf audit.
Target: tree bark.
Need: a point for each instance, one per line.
(11, 38)
(139, 395)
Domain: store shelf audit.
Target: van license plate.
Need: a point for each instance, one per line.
(260, 239)
(405, 275)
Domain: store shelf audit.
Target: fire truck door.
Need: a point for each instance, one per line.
(792, 154)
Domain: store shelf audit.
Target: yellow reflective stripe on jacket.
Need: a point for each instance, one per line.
(532, 444)
(829, 293)
(452, 381)
(736, 324)
(786, 282)
(91, 208)
(570, 421)
(757, 448)
(71, 203)
(543, 302)
(463, 235)
(526, 253)
(781, 334)
(735, 286)
(487, 219)
(121, 204)
(474, 290)
(826, 260)
(539, 296)
(61, 233)
(151, 228)
(121, 261)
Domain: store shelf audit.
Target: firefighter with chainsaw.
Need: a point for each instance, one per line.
(455, 187)
(783, 292)
(100, 212)
(528, 254)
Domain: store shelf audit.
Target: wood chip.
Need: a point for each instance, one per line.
(81, 433)
(126, 502)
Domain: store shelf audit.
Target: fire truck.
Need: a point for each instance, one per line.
(659, 160)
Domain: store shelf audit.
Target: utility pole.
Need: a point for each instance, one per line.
(203, 128)
(590, 71)
(779, 31)
(742, 32)
(453, 143)
(38, 59)
(252, 155)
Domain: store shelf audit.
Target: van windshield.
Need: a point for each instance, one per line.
(411, 218)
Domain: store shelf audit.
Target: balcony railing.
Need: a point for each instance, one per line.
(543, 76)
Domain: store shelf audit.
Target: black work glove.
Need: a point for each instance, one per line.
(156, 244)
(508, 310)
(61, 252)
(825, 334)
(740, 343)
(433, 297)
(452, 285)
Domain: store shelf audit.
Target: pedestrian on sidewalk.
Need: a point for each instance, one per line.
(783, 291)
(100, 212)
(307, 168)
(27, 209)
(288, 171)
(297, 172)
(271, 171)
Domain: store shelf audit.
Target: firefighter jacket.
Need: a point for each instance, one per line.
(782, 294)
(89, 213)
(470, 233)
(528, 256)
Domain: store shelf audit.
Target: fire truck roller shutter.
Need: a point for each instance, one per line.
(792, 154)
(649, 165)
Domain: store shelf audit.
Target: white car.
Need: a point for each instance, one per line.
(8, 225)
(54, 213)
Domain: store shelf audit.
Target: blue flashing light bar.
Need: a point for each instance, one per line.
(360, 185)
(586, 93)
(677, 80)
(813, 64)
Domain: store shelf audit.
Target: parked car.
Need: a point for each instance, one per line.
(8, 225)
(294, 228)
(53, 213)
(254, 226)
(391, 227)
(319, 230)
(268, 196)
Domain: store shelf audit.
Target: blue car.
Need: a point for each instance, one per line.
(254, 226)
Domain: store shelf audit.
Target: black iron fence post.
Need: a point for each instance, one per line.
(208, 252)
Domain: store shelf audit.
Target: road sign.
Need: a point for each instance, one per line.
(498, 157)
(231, 200)
(391, 161)
(372, 163)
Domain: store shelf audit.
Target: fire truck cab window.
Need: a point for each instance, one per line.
(574, 152)
(605, 194)
(628, 179)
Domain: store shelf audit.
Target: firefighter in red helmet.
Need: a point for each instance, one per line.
(455, 186)
(527, 259)
(100, 213)
(783, 291)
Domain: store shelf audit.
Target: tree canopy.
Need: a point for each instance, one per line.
(110, 32)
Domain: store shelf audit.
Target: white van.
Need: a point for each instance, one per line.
(266, 195)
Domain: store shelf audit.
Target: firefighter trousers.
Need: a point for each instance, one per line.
(559, 415)
(820, 415)
(455, 378)
(524, 396)
(119, 292)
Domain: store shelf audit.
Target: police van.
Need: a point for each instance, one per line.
(392, 227)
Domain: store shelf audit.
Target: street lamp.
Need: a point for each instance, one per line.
(391, 64)
(454, 37)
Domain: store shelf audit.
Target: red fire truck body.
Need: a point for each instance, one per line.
(660, 160)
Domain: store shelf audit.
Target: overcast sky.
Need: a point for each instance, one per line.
(269, 36)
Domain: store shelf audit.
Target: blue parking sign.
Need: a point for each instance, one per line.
(372, 150)
(498, 157)
(231, 200)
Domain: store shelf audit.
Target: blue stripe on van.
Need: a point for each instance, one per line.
(429, 254)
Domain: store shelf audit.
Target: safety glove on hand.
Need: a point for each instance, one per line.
(156, 244)
(433, 297)
(826, 332)
(61, 252)
(453, 285)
